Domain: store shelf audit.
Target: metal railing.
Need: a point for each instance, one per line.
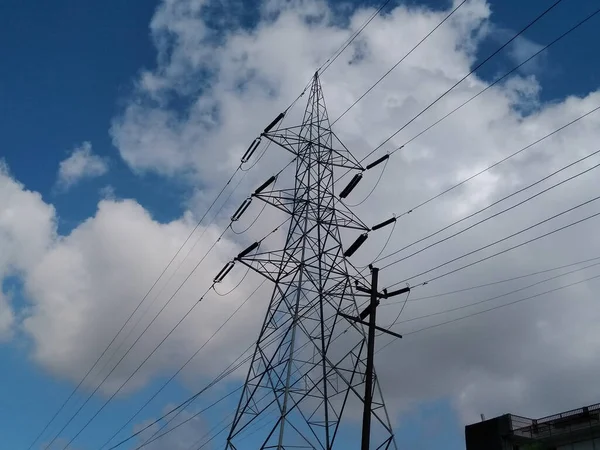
(575, 421)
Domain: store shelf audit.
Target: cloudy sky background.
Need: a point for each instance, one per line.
(100, 186)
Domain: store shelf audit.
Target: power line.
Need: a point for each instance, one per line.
(181, 368)
(349, 41)
(451, 188)
(181, 407)
(527, 147)
(493, 283)
(477, 67)
(514, 69)
(501, 306)
(236, 364)
(132, 313)
(337, 53)
(507, 249)
(399, 62)
(497, 214)
(155, 437)
(141, 317)
(487, 300)
(479, 211)
(134, 372)
(240, 167)
(216, 402)
(132, 345)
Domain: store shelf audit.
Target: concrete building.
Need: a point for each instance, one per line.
(578, 429)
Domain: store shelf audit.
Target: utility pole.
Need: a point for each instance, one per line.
(371, 312)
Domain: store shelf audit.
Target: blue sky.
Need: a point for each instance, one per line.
(70, 67)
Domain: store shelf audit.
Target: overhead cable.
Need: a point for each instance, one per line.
(498, 80)
(503, 305)
(486, 219)
(494, 283)
(145, 360)
(577, 222)
(400, 61)
(496, 297)
(477, 67)
(182, 367)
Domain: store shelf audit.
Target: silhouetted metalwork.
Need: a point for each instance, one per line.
(306, 383)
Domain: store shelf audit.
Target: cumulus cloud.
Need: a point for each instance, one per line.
(508, 360)
(6, 318)
(27, 228)
(88, 283)
(81, 164)
(254, 73)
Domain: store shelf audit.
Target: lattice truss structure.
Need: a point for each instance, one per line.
(305, 384)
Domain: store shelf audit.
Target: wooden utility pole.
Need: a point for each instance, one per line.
(371, 312)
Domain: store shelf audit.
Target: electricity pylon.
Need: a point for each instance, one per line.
(307, 377)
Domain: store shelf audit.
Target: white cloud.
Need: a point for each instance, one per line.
(27, 228)
(255, 73)
(83, 285)
(81, 164)
(7, 318)
(88, 283)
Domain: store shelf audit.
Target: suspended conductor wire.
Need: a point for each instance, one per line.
(502, 251)
(231, 316)
(435, 197)
(494, 283)
(374, 187)
(189, 419)
(135, 371)
(573, 28)
(205, 435)
(400, 61)
(496, 297)
(154, 437)
(477, 67)
(451, 188)
(149, 307)
(155, 349)
(503, 305)
(351, 39)
(131, 315)
(128, 350)
(225, 428)
(151, 322)
(236, 364)
(251, 223)
(499, 201)
(477, 313)
(497, 214)
(233, 288)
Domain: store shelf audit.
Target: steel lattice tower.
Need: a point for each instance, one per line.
(306, 379)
